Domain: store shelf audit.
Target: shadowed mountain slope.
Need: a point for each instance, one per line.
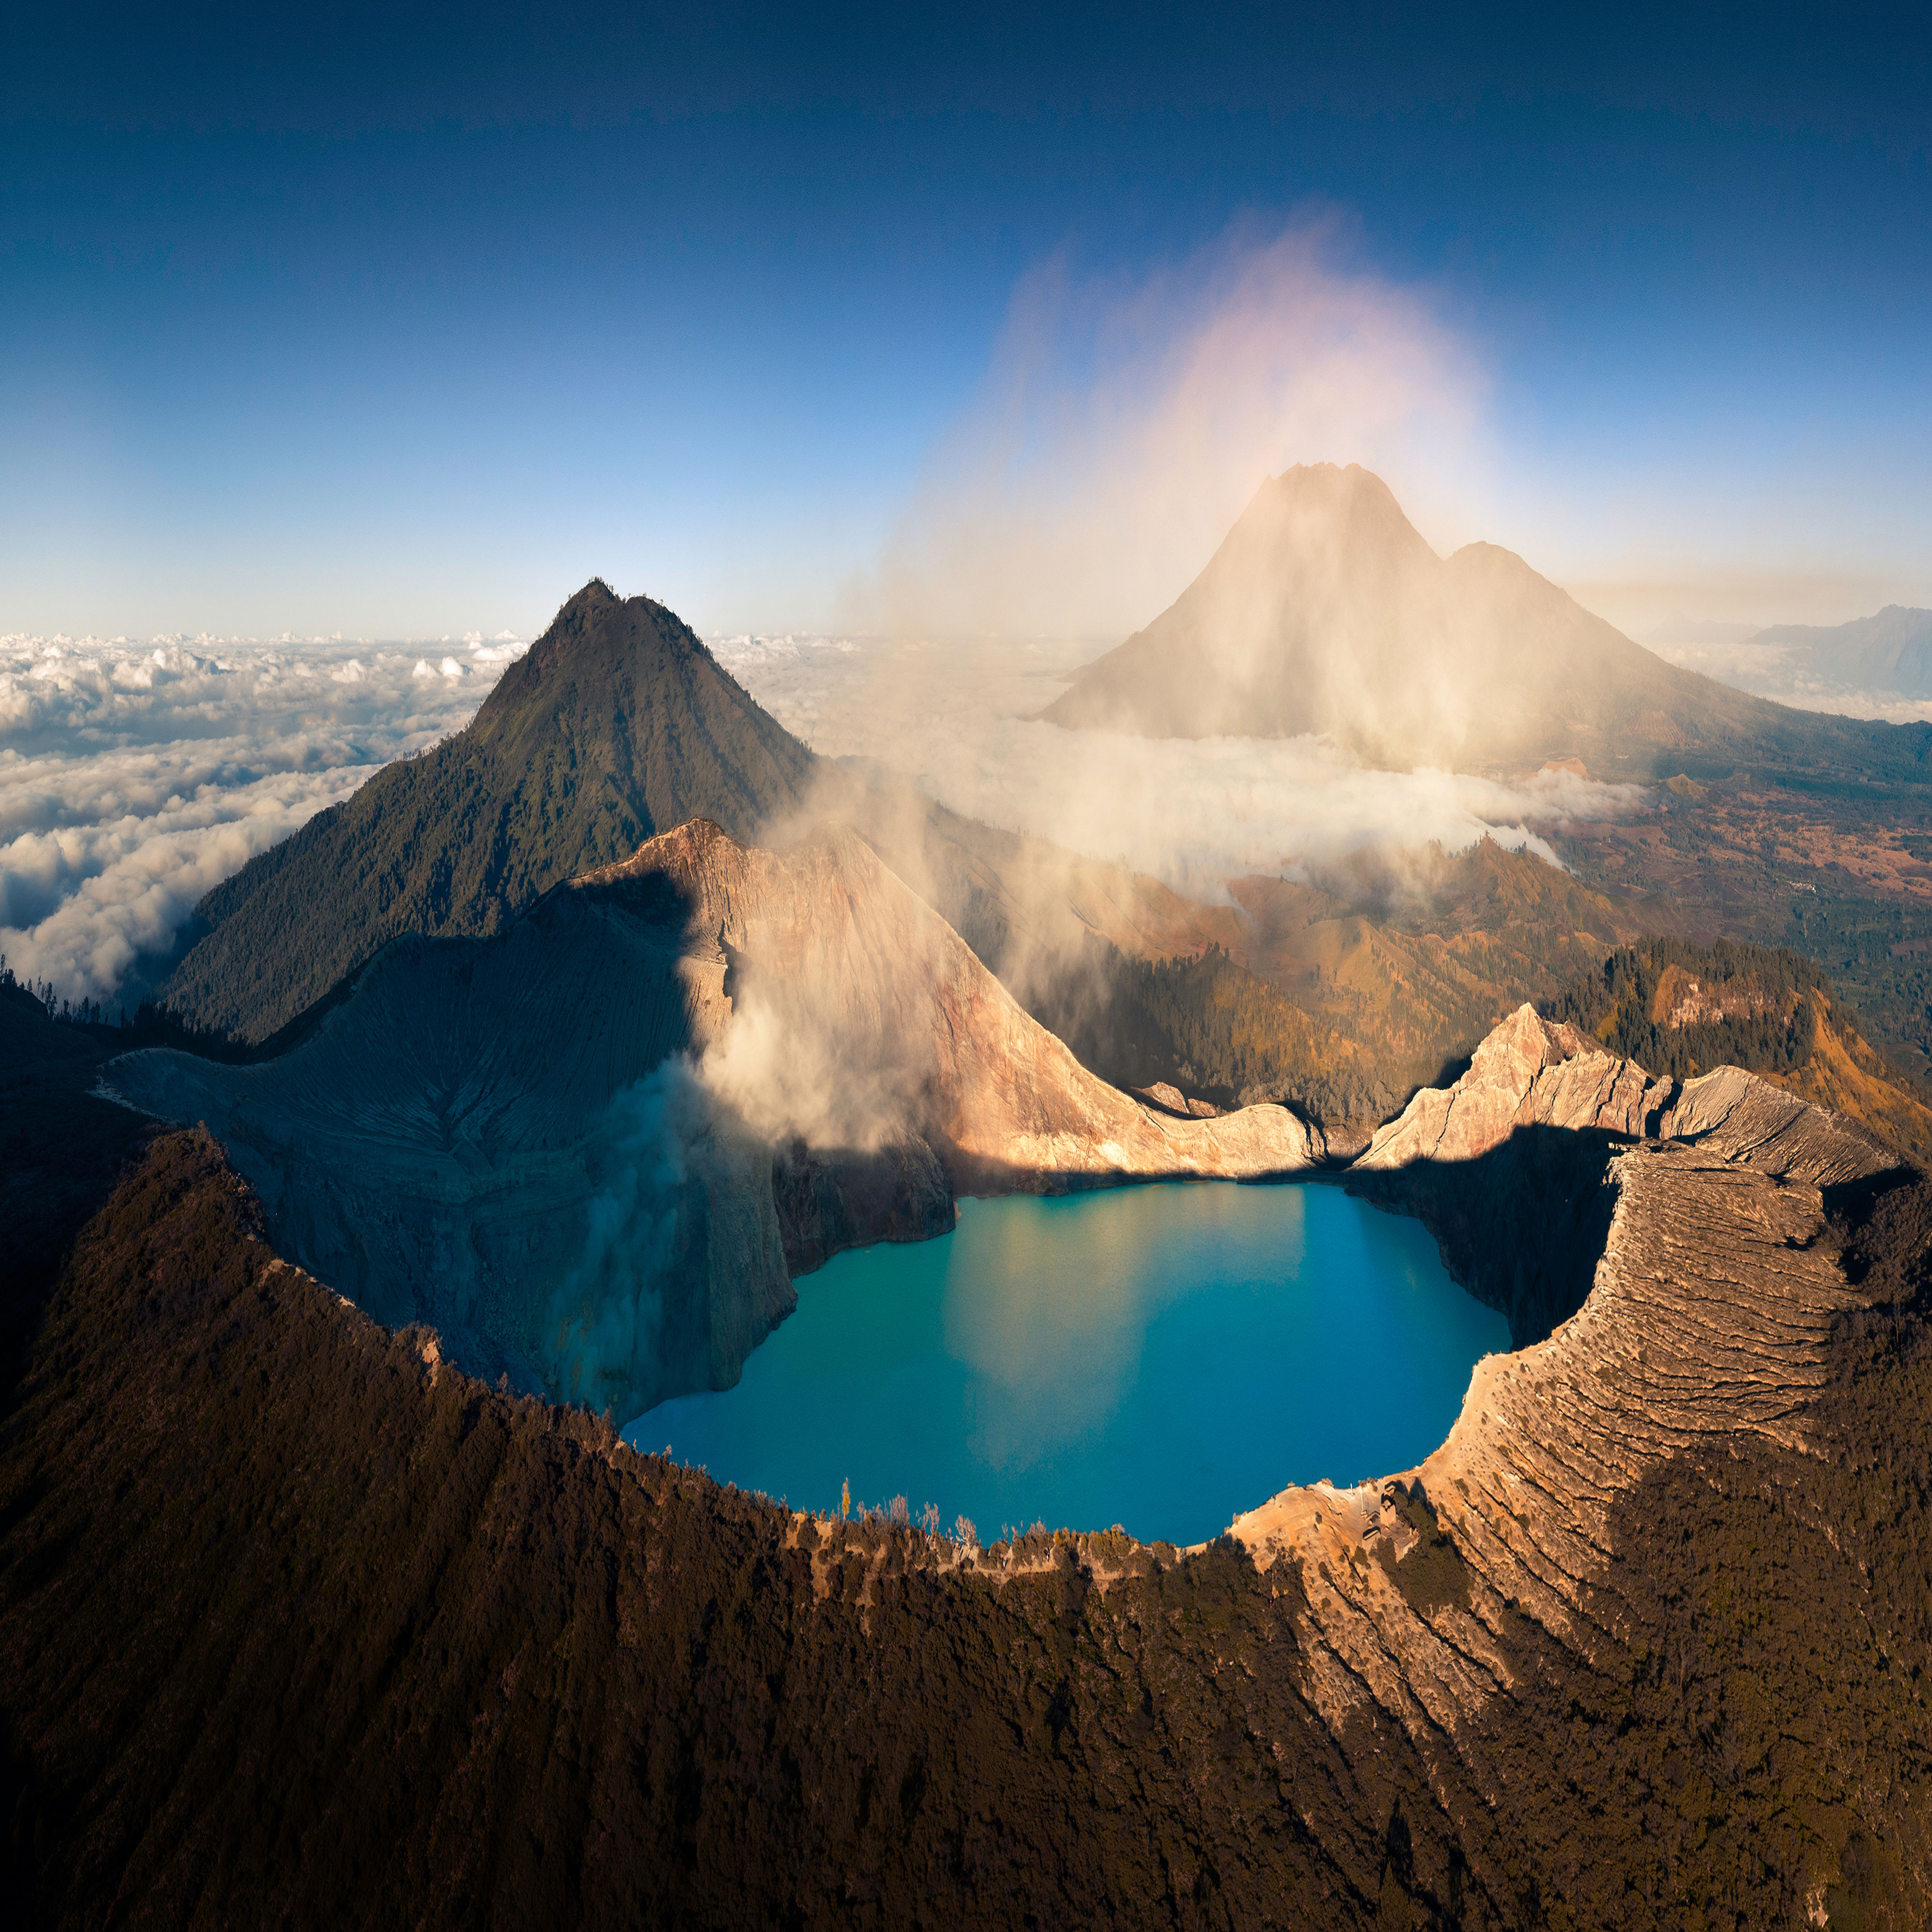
(590, 1148)
(60, 1147)
(1324, 610)
(616, 724)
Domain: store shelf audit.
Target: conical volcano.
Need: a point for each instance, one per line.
(616, 725)
(1324, 611)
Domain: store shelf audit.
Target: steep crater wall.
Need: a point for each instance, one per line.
(470, 1652)
(593, 1149)
(1511, 1167)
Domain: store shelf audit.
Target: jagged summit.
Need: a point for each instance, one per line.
(577, 619)
(616, 724)
(1324, 611)
(592, 629)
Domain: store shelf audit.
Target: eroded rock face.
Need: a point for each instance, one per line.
(829, 1201)
(1736, 1113)
(1709, 1305)
(1507, 1167)
(1528, 1073)
(1510, 1168)
(864, 1007)
(557, 1145)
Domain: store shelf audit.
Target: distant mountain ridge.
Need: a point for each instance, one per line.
(1889, 651)
(1324, 611)
(616, 724)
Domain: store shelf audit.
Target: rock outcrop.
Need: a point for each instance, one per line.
(1531, 1073)
(1708, 1304)
(1510, 1168)
(557, 1144)
(1526, 1073)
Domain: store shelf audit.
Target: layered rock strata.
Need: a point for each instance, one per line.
(557, 1144)
(1709, 1308)
(1510, 1167)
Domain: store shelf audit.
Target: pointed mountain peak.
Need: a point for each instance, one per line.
(616, 724)
(1326, 612)
(581, 616)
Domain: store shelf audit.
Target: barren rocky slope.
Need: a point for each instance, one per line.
(1709, 1307)
(591, 1149)
(296, 1622)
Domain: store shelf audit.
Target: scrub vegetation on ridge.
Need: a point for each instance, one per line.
(1679, 1010)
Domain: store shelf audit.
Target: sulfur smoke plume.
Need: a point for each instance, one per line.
(1122, 428)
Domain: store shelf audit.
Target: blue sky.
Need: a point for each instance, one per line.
(407, 322)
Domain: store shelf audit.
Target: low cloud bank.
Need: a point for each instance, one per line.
(134, 777)
(1791, 676)
(959, 718)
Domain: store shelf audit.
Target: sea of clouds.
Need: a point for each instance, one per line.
(134, 776)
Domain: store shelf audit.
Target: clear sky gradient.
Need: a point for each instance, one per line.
(397, 321)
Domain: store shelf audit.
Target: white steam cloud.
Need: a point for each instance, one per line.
(134, 777)
(813, 1070)
(960, 721)
(602, 1331)
(1122, 428)
(1122, 432)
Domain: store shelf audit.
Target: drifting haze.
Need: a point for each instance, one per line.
(1879, 666)
(134, 777)
(1124, 425)
(602, 1329)
(961, 722)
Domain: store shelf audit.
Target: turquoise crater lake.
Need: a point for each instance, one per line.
(1162, 1356)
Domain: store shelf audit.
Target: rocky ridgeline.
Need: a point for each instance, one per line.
(876, 999)
(1704, 1320)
